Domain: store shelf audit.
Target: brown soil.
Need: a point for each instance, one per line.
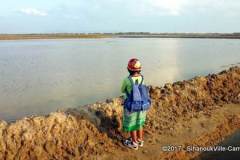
(50, 36)
(201, 130)
(201, 111)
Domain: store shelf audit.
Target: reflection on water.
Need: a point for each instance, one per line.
(39, 76)
(168, 55)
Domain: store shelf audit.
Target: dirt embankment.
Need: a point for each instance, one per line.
(183, 113)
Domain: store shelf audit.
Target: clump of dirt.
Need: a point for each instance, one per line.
(93, 130)
(57, 136)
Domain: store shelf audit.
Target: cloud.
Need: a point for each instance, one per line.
(33, 12)
(170, 7)
(160, 7)
(179, 7)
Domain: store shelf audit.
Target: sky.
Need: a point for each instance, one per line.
(87, 16)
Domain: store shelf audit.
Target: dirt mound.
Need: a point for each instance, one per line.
(187, 98)
(89, 131)
(57, 136)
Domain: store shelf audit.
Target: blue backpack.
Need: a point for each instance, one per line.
(138, 99)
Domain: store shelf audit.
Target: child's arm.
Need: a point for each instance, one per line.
(123, 89)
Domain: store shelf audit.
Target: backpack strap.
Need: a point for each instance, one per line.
(142, 80)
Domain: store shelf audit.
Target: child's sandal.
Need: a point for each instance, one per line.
(140, 143)
(129, 143)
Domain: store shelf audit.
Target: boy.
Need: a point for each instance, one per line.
(133, 121)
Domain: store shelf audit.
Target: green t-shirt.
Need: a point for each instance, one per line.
(127, 86)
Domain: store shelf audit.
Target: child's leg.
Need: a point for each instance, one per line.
(134, 136)
(140, 134)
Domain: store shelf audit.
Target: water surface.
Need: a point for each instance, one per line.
(40, 76)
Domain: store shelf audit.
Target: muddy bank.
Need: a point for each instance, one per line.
(94, 131)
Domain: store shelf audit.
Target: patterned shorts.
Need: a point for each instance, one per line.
(133, 120)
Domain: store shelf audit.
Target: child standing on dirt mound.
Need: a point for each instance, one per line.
(136, 104)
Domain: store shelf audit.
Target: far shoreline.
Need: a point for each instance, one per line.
(118, 35)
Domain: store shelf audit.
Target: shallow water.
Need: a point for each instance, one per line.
(40, 76)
